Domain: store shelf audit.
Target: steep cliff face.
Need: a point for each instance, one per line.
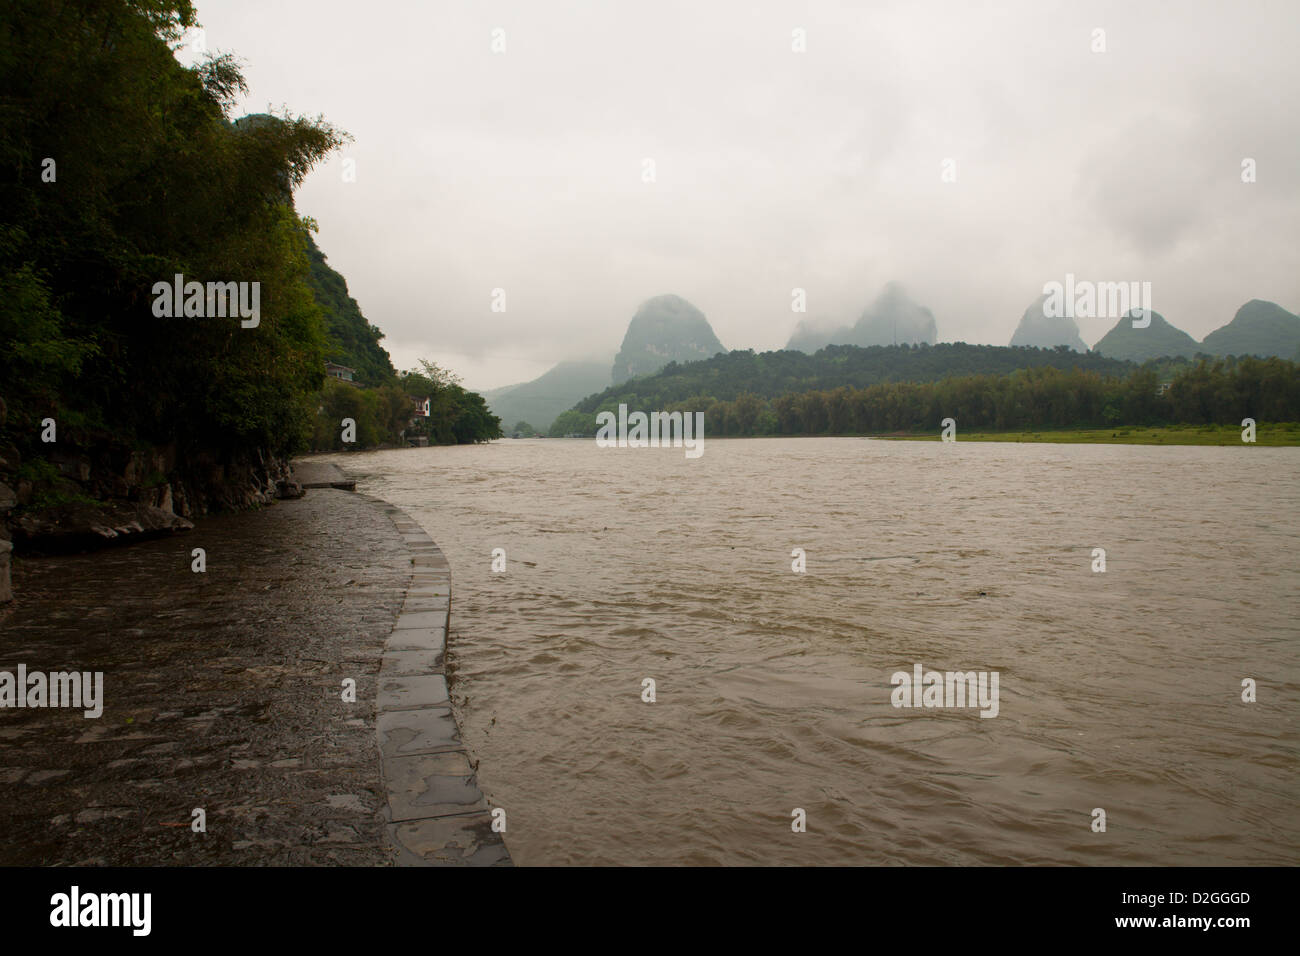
(894, 318)
(1039, 330)
(87, 490)
(665, 329)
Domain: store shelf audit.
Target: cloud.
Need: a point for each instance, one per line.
(775, 170)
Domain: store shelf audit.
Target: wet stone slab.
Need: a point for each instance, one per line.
(466, 840)
(405, 693)
(427, 730)
(429, 605)
(431, 785)
(421, 619)
(432, 639)
(411, 663)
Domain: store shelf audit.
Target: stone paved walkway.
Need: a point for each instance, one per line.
(222, 691)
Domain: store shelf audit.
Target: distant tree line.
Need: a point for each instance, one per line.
(1206, 392)
(770, 374)
(387, 415)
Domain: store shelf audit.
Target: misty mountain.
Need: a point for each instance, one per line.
(665, 329)
(1045, 332)
(539, 401)
(892, 319)
(1158, 340)
(1259, 328)
(810, 335)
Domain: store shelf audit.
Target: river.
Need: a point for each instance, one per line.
(1118, 690)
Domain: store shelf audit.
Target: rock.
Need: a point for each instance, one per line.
(665, 329)
(9, 458)
(6, 592)
(894, 319)
(134, 469)
(1039, 330)
(8, 497)
(75, 467)
(82, 526)
(288, 488)
(181, 501)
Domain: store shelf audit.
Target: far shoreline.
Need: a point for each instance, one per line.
(1275, 435)
(1269, 434)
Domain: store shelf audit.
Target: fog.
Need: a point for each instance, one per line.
(525, 170)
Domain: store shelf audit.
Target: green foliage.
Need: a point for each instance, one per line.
(542, 399)
(352, 340)
(1209, 392)
(769, 374)
(1259, 328)
(573, 422)
(1156, 340)
(38, 471)
(35, 354)
(151, 179)
(386, 415)
(49, 488)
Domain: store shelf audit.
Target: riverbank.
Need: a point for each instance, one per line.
(1284, 434)
(223, 691)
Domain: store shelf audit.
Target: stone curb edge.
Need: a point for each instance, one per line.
(437, 816)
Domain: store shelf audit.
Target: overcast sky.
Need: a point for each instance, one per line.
(523, 170)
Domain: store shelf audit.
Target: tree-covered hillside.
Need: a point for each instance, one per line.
(1222, 392)
(120, 169)
(165, 315)
(351, 339)
(1259, 328)
(538, 402)
(1159, 339)
(769, 374)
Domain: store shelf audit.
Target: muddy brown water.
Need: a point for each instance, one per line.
(1118, 690)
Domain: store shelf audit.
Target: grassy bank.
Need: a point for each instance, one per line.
(1278, 434)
